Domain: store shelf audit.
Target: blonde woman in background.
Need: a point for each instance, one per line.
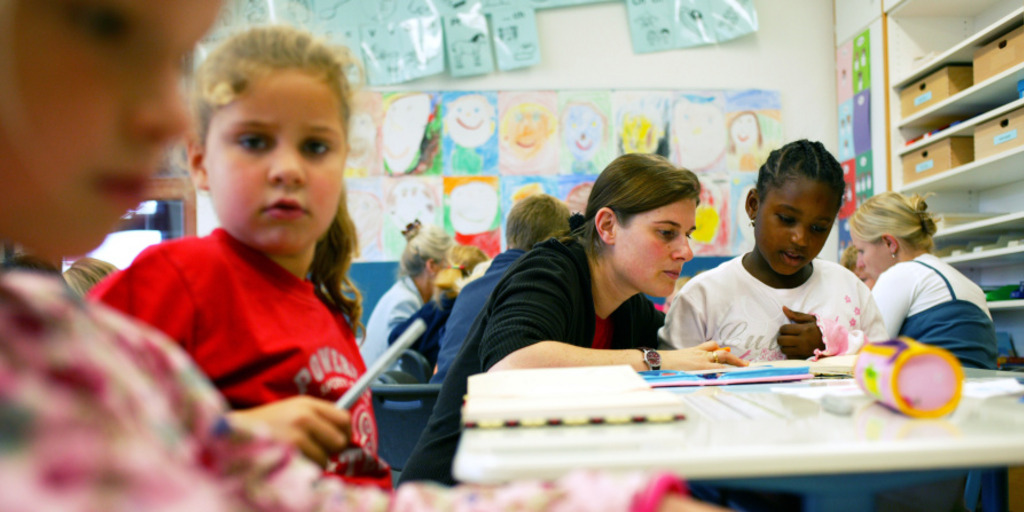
(463, 259)
(424, 257)
(85, 272)
(918, 294)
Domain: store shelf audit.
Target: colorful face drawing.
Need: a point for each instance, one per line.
(577, 197)
(470, 120)
(744, 133)
(529, 127)
(410, 200)
(368, 215)
(404, 125)
(362, 143)
(699, 134)
(583, 130)
(639, 134)
(474, 208)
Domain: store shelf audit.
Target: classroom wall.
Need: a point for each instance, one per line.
(588, 47)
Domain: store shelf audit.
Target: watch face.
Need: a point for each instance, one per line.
(653, 357)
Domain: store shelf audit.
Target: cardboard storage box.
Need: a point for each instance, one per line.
(999, 55)
(937, 157)
(935, 88)
(1000, 134)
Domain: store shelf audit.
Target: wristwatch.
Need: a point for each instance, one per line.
(651, 357)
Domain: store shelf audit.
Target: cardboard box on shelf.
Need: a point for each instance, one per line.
(934, 88)
(1000, 134)
(937, 157)
(999, 55)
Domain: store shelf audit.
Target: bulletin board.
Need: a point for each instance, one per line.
(461, 159)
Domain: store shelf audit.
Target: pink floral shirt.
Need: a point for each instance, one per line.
(99, 413)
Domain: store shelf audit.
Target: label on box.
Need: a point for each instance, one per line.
(922, 98)
(1003, 137)
(924, 166)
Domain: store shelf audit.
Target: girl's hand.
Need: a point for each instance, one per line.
(799, 339)
(706, 356)
(313, 425)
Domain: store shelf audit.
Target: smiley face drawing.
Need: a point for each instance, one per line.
(698, 133)
(583, 134)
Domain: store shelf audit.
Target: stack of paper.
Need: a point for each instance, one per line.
(570, 396)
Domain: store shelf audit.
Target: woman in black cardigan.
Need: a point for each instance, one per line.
(579, 301)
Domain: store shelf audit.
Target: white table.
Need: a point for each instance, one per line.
(837, 462)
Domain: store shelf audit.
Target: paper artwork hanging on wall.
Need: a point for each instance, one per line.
(470, 142)
(365, 200)
(844, 71)
(754, 124)
(713, 219)
(364, 136)
(698, 131)
(642, 121)
(471, 211)
(467, 41)
(411, 138)
(584, 132)
(409, 199)
(528, 132)
(438, 163)
(515, 37)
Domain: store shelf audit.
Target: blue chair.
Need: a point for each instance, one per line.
(415, 364)
(402, 411)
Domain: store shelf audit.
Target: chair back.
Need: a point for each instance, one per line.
(402, 411)
(415, 364)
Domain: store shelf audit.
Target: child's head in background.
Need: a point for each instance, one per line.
(463, 259)
(89, 99)
(798, 194)
(271, 107)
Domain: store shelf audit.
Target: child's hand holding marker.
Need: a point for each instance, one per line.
(799, 338)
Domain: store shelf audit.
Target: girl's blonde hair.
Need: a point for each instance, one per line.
(463, 259)
(892, 213)
(228, 73)
(424, 242)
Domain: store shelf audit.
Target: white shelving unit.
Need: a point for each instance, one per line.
(923, 37)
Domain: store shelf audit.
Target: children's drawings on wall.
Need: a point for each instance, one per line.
(528, 132)
(642, 121)
(365, 199)
(468, 42)
(470, 133)
(515, 37)
(584, 131)
(849, 203)
(845, 130)
(742, 183)
(862, 122)
(409, 199)
(496, 147)
(364, 136)
(754, 126)
(698, 131)
(660, 25)
(471, 211)
(844, 71)
(411, 133)
(403, 40)
(861, 63)
(714, 222)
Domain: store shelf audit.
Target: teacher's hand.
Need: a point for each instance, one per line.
(706, 356)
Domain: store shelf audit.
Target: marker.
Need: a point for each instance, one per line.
(411, 334)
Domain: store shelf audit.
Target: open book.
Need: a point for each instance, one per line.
(834, 365)
(565, 396)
